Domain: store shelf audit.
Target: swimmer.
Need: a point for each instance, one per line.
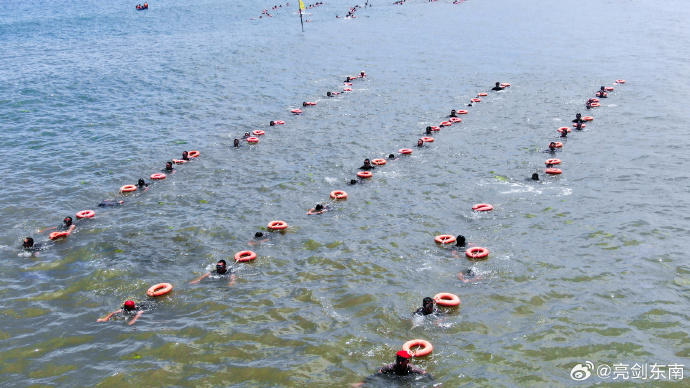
(428, 130)
(602, 93)
(29, 245)
(353, 181)
(129, 308)
(428, 307)
(453, 113)
(498, 86)
(318, 209)
(578, 118)
(67, 226)
(552, 147)
(110, 202)
(141, 183)
(367, 165)
(273, 123)
(470, 104)
(329, 94)
(185, 155)
(535, 177)
(362, 74)
(401, 367)
(420, 143)
(169, 167)
(392, 157)
(588, 105)
(258, 239)
(564, 133)
(221, 271)
(469, 275)
(246, 135)
(460, 241)
(348, 79)
(578, 126)
(236, 142)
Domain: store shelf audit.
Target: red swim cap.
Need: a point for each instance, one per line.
(129, 305)
(403, 354)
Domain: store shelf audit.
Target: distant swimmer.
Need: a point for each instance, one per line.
(401, 367)
(469, 275)
(236, 142)
(129, 310)
(185, 155)
(259, 237)
(588, 104)
(498, 86)
(362, 74)
(221, 271)
(428, 307)
(578, 126)
(470, 104)
(602, 93)
(420, 143)
(564, 133)
(29, 245)
(329, 94)
(578, 118)
(110, 202)
(367, 165)
(318, 209)
(353, 181)
(428, 130)
(392, 157)
(348, 79)
(552, 147)
(141, 184)
(460, 241)
(169, 167)
(535, 177)
(247, 134)
(453, 113)
(67, 226)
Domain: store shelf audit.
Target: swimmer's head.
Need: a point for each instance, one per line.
(67, 221)
(391, 156)
(428, 305)
(221, 266)
(498, 84)
(258, 234)
(535, 177)
(236, 142)
(141, 182)
(367, 161)
(185, 155)
(420, 143)
(28, 242)
(602, 89)
(168, 166)
(304, 103)
(273, 123)
(453, 111)
(578, 115)
(460, 240)
(246, 134)
(129, 305)
(353, 181)
(552, 146)
(318, 207)
(470, 272)
(402, 357)
(329, 94)
(428, 130)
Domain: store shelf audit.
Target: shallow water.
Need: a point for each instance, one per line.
(590, 265)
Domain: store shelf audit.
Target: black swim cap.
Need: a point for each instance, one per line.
(391, 156)
(460, 240)
(427, 300)
(318, 207)
(535, 177)
(353, 181)
(141, 182)
(258, 234)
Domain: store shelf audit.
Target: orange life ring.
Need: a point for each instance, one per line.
(561, 129)
(462, 112)
(445, 124)
(57, 235)
(435, 128)
(482, 94)
(193, 154)
(477, 252)
(587, 118)
(620, 81)
(278, 122)
(482, 207)
(594, 100)
(128, 188)
(245, 256)
(428, 139)
(159, 289)
(159, 175)
(347, 83)
(425, 350)
(365, 174)
(609, 88)
(505, 85)
(476, 100)
(553, 171)
(86, 214)
(259, 132)
(553, 161)
(309, 103)
(455, 120)
(277, 225)
(179, 161)
(296, 111)
(379, 162)
(405, 151)
(559, 144)
(595, 105)
(444, 239)
(581, 125)
(338, 194)
(252, 139)
(446, 299)
(347, 90)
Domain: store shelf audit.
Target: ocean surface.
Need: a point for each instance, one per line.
(587, 266)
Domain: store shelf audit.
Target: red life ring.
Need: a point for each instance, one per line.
(505, 85)
(561, 129)
(128, 188)
(245, 256)
(347, 83)
(595, 105)
(620, 81)
(559, 144)
(86, 214)
(365, 174)
(338, 194)
(444, 239)
(378, 162)
(594, 100)
(482, 94)
(482, 207)
(462, 112)
(609, 88)
(476, 100)
(159, 289)
(553, 161)
(446, 299)
(553, 171)
(581, 125)
(309, 103)
(347, 90)
(405, 151)
(587, 118)
(445, 124)
(252, 139)
(296, 111)
(159, 175)
(179, 161)
(278, 122)
(477, 252)
(428, 139)
(455, 120)
(259, 132)
(435, 128)
(425, 350)
(57, 235)
(277, 225)
(193, 154)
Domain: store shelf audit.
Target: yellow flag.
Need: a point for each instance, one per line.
(301, 5)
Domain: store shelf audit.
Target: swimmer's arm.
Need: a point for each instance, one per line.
(462, 277)
(200, 278)
(232, 280)
(107, 317)
(139, 313)
(43, 230)
(71, 228)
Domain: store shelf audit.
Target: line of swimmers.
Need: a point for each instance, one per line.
(351, 12)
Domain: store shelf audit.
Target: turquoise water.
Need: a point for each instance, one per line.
(590, 265)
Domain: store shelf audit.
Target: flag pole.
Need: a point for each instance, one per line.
(301, 7)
